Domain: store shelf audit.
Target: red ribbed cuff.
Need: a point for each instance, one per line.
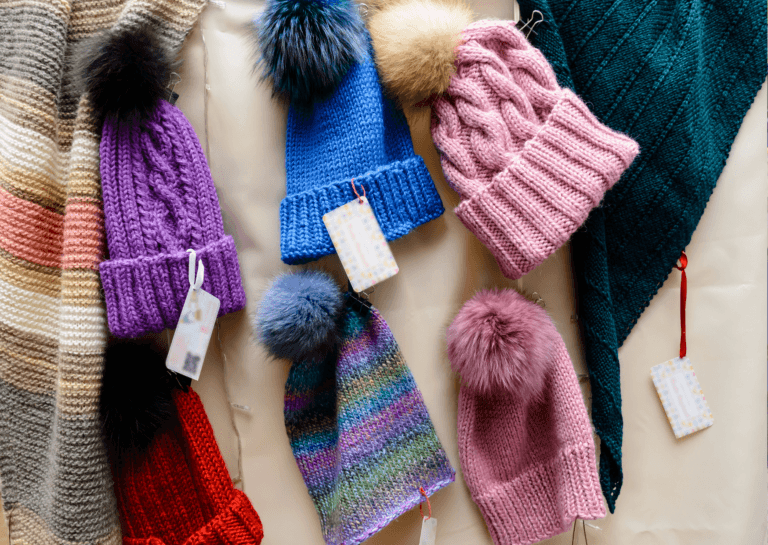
(544, 501)
(238, 523)
(535, 204)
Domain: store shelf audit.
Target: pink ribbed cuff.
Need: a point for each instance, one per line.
(545, 500)
(533, 206)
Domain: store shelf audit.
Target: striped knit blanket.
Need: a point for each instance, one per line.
(56, 483)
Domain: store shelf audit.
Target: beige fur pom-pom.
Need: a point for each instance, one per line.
(414, 43)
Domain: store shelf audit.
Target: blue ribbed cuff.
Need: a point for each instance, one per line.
(401, 194)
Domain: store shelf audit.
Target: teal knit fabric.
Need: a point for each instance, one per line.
(677, 76)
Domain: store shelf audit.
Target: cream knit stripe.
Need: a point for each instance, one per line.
(37, 532)
(28, 150)
(28, 311)
(56, 484)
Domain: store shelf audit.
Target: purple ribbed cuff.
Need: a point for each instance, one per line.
(146, 294)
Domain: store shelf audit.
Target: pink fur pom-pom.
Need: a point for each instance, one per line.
(501, 341)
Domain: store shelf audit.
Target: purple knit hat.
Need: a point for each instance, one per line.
(159, 201)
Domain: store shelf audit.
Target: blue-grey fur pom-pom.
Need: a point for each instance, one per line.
(305, 47)
(298, 317)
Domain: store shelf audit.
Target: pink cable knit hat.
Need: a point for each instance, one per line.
(527, 158)
(525, 441)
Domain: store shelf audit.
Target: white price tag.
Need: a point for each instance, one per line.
(428, 531)
(360, 243)
(193, 332)
(681, 396)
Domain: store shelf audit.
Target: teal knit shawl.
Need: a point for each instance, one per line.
(678, 76)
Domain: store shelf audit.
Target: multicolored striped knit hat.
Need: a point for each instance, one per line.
(360, 431)
(356, 420)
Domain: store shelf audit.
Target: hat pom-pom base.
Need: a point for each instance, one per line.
(305, 47)
(297, 318)
(502, 342)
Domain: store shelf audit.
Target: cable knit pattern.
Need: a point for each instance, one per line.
(527, 158)
(179, 492)
(530, 463)
(360, 431)
(356, 134)
(159, 200)
(54, 472)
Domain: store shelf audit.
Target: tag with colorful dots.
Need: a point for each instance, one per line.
(681, 395)
(360, 243)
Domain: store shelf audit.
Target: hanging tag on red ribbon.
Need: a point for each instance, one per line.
(675, 380)
(360, 242)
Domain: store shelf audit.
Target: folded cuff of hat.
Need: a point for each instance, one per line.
(146, 294)
(545, 500)
(534, 205)
(238, 523)
(401, 194)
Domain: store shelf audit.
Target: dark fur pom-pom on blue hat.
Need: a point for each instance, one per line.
(305, 47)
(298, 316)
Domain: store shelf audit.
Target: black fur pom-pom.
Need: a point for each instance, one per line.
(124, 72)
(136, 397)
(306, 46)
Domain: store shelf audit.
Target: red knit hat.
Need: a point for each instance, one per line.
(179, 491)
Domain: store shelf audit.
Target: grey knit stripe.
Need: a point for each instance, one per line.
(33, 41)
(68, 486)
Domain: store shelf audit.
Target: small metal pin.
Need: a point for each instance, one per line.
(172, 95)
(533, 21)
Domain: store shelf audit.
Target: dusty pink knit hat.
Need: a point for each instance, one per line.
(525, 441)
(527, 158)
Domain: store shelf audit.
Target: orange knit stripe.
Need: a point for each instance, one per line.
(29, 231)
(83, 235)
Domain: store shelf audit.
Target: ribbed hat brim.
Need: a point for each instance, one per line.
(533, 206)
(146, 294)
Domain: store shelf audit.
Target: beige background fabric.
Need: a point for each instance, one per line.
(707, 489)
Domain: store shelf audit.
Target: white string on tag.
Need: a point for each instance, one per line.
(195, 282)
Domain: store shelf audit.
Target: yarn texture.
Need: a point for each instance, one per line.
(159, 201)
(179, 492)
(499, 341)
(360, 431)
(527, 158)
(357, 134)
(54, 473)
(679, 80)
(529, 462)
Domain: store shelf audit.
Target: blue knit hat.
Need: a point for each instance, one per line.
(357, 134)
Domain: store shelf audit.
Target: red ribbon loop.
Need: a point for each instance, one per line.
(359, 197)
(429, 505)
(683, 297)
